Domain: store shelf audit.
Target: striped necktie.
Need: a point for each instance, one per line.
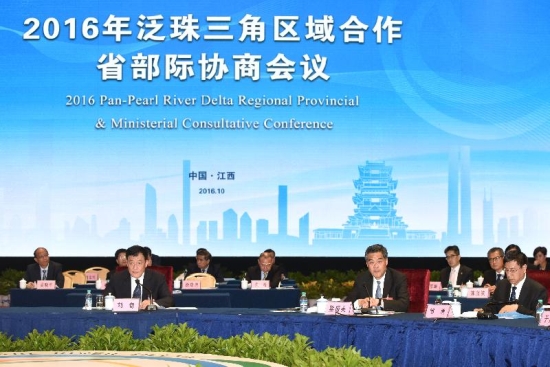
(513, 295)
(44, 274)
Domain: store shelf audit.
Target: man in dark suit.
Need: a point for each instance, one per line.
(380, 285)
(123, 283)
(120, 258)
(497, 273)
(44, 269)
(265, 270)
(203, 265)
(517, 292)
(456, 273)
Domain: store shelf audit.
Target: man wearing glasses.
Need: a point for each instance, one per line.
(517, 292)
(455, 273)
(265, 270)
(497, 273)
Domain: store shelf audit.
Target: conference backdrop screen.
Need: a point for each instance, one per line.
(315, 128)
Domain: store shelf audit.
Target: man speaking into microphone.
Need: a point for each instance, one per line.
(380, 286)
(139, 282)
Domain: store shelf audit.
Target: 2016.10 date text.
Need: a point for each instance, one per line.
(211, 191)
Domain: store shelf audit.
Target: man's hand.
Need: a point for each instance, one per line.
(508, 308)
(31, 285)
(491, 288)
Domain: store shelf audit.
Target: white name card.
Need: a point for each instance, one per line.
(91, 276)
(442, 311)
(339, 308)
(191, 284)
(545, 319)
(478, 293)
(259, 284)
(126, 305)
(45, 284)
(435, 286)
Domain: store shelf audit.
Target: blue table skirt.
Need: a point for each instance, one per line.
(408, 339)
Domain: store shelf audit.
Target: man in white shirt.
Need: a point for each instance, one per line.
(456, 273)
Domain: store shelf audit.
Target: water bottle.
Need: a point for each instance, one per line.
(450, 289)
(438, 300)
(540, 310)
(303, 302)
(88, 302)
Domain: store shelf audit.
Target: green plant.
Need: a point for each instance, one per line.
(435, 275)
(9, 278)
(329, 283)
(115, 338)
(178, 339)
(46, 341)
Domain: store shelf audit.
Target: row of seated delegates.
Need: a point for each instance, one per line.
(517, 292)
(379, 286)
(203, 265)
(123, 283)
(266, 269)
(120, 258)
(43, 269)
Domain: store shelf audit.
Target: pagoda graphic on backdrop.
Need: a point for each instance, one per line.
(375, 218)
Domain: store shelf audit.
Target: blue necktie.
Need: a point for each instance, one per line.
(499, 277)
(137, 292)
(378, 290)
(44, 274)
(513, 295)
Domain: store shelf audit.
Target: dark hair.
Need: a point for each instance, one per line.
(512, 247)
(494, 249)
(517, 256)
(204, 252)
(148, 252)
(40, 248)
(377, 248)
(539, 249)
(119, 251)
(453, 248)
(270, 251)
(136, 250)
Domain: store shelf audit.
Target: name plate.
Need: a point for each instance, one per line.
(259, 284)
(442, 311)
(545, 319)
(126, 305)
(339, 308)
(435, 286)
(45, 284)
(191, 284)
(478, 293)
(91, 276)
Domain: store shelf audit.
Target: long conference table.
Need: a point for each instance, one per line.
(223, 296)
(407, 339)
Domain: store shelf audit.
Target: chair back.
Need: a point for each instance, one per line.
(207, 280)
(77, 276)
(543, 277)
(168, 272)
(101, 272)
(418, 284)
(68, 283)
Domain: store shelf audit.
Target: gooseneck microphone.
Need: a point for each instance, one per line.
(151, 306)
(368, 295)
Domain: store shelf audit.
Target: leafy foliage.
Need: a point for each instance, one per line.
(329, 283)
(115, 338)
(178, 339)
(45, 341)
(9, 278)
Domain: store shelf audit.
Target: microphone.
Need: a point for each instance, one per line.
(368, 295)
(151, 306)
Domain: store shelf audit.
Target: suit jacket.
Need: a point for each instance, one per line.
(213, 269)
(120, 286)
(274, 275)
(465, 274)
(395, 286)
(490, 277)
(55, 272)
(527, 300)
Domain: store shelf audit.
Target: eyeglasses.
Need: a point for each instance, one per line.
(511, 271)
(265, 264)
(496, 258)
(450, 257)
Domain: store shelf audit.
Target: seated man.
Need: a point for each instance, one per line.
(44, 269)
(455, 273)
(497, 273)
(123, 283)
(203, 265)
(265, 270)
(152, 259)
(514, 247)
(380, 285)
(516, 292)
(281, 267)
(120, 258)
